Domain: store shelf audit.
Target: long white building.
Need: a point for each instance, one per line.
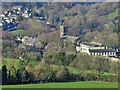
(93, 48)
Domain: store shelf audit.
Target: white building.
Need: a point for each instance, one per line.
(25, 14)
(93, 48)
(2, 15)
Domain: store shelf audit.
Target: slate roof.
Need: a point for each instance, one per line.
(102, 50)
(31, 40)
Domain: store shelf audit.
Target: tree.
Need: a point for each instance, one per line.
(62, 74)
(22, 75)
(102, 65)
(32, 56)
(41, 73)
(69, 58)
(60, 57)
(49, 75)
(24, 26)
(116, 28)
(19, 18)
(82, 61)
(31, 73)
(4, 74)
(69, 47)
(12, 75)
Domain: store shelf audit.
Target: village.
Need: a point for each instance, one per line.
(90, 48)
(59, 43)
(13, 16)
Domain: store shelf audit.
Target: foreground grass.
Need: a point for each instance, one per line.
(66, 85)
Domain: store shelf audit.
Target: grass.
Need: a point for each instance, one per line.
(18, 32)
(73, 70)
(66, 85)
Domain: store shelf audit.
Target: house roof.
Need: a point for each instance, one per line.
(31, 40)
(72, 37)
(16, 7)
(102, 50)
(94, 44)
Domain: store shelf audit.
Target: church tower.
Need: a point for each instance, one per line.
(63, 30)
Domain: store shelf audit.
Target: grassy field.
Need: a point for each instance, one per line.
(66, 85)
(18, 32)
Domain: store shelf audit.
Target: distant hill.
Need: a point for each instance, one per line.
(80, 17)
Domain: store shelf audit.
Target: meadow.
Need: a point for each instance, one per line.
(18, 32)
(66, 85)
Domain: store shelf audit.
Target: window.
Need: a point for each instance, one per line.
(105, 53)
(102, 53)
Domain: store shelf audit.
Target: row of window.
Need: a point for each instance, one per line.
(104, 53)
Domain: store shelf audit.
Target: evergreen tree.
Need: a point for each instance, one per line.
(4, 74)
(12, 75)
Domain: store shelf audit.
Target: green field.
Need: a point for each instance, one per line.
(66, 85)
(18, 32)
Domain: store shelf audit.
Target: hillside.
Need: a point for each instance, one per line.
(34, 51)
(81, 19)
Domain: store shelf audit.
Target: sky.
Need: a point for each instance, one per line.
(60, 0)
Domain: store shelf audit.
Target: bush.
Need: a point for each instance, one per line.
(90, 77)
(62, 74)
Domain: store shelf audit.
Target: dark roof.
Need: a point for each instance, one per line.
(102, 50)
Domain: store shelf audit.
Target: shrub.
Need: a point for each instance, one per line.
(62, 74)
